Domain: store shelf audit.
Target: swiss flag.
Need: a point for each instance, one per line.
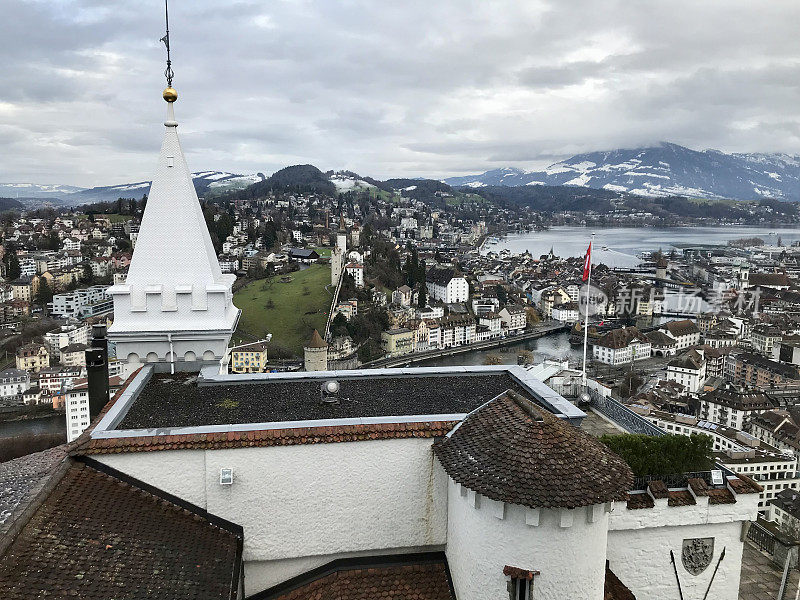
(587, 263)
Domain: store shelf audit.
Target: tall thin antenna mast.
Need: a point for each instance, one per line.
(168, 73)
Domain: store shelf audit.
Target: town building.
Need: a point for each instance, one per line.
(485, 304)
(249, 358)
(303, 255)
(513, 318)
(685, 333)
(356, 271)
(445, 285)
(398, 341)
(13, 383)
(621, 346)
(66, 335)
(766, 339)
(56, 379)
(347, 308)
(73, 355)
(689, 370)
(81, 304)
(662, 344)
(732, 406)
(403, 296)
(754, 370)
(25, 288)
(789, 352)
(75, 401)
(457, 330)
(776, 281)
(784, 511)
(32, 357)
(493, 323)
(566, 313)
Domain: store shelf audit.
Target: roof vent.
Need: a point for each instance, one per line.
(330, 392)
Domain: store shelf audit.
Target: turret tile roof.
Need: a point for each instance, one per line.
(512, 451)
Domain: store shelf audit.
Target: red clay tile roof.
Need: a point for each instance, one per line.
(421, 581)
(658, 488)
(643, 500)
(680, 498)
(745, 485)
(268, 437)
(721, 496)
(95, 536)
(699, 486)
(678, 328)
(769, 279)
(509, 450)
(614, 589)
(620, 338)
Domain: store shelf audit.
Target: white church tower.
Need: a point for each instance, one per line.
(176, 306)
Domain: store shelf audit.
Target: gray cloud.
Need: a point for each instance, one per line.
(388, 89)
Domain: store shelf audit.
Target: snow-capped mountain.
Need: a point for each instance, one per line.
(205, 182)
(662, 170)
(505, 176)
(36, 190)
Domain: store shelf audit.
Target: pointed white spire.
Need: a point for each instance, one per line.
(173, 246)
(176, 305)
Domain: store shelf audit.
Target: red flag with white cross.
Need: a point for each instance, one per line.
(587, 263)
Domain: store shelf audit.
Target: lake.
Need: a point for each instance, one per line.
(624, 243)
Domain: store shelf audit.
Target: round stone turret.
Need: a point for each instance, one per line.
(316, 353)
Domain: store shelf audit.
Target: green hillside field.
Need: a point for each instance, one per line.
(289, 311)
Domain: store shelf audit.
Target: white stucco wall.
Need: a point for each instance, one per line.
(571, 559)
(316, 500)
(262, 575)
(177, 472)
(641, 560)
(639, 542)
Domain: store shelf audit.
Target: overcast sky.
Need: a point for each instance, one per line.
(406, 88)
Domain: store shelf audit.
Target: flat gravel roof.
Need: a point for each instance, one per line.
(169, 401)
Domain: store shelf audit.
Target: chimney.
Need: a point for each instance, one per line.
(97, 370)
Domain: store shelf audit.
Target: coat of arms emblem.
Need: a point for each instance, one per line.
(697, 554)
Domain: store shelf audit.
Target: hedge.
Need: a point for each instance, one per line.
(663, 455)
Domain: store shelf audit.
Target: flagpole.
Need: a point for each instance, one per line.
(586, 317)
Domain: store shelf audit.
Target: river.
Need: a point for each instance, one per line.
(624, 243)
(551, 346)
(50, 424)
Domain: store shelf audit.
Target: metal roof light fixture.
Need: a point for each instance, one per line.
(330, 391)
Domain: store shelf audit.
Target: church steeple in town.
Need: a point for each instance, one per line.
(176, 305)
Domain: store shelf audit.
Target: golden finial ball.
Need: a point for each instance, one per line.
(170, 95)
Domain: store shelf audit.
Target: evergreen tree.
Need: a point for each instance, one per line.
(502, 295)
(13, 270)
(88, 275)
(44, 294)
